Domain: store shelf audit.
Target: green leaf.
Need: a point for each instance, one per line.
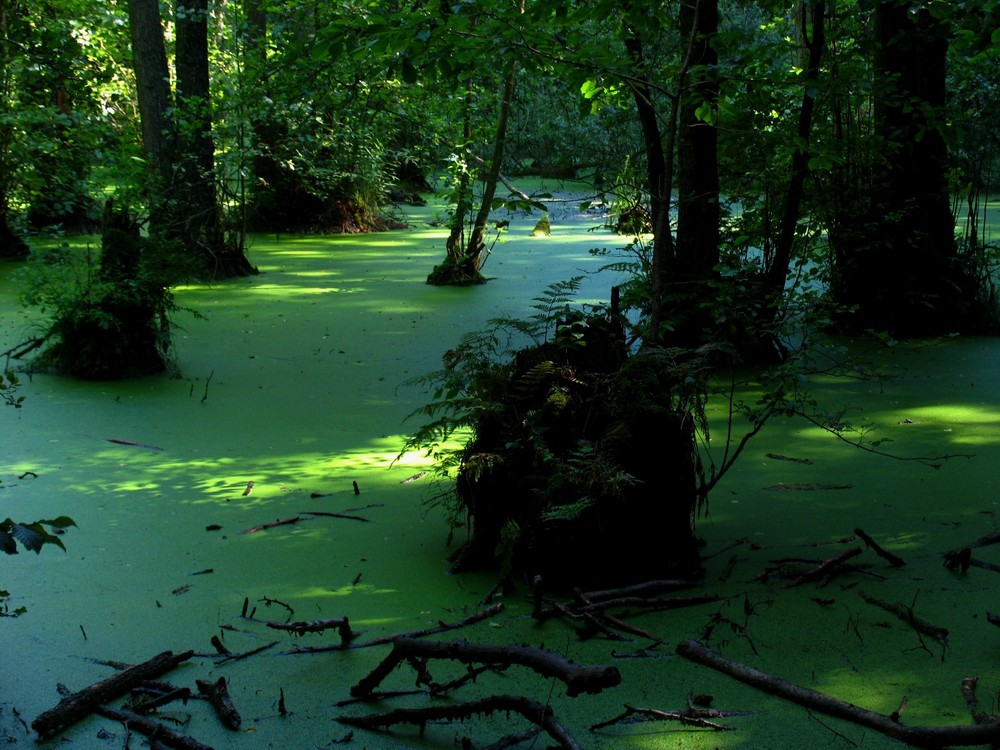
(7, 543)
(31, 537)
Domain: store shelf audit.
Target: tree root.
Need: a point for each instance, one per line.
(532, 710)
(929, 737)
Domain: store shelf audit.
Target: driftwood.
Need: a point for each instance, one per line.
(690, 717)
(442, 627)
(217, 693)
(906, 614)
(535, 712)
(158, 697)
(936, 737)
(969, 685)
(894, 561)
(271, 525)
(960, 558)
(826, 567)
(154, 730)
(331, 514)
(317, 626)
(79, 705)
(577, 678)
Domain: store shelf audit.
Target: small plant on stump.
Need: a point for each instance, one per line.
(108, 318)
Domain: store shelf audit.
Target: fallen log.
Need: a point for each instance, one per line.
(906, 614)
(331, 514)
(317, 626)
(894, 561)
(271, 525)
(826, 567)
(532, 710)
(441, 627)
(217, 694)
(577, 678)
(154, 730)
(81, 704)
(691, 717)
(930, 737)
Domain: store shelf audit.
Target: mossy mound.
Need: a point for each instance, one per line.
(585, 473)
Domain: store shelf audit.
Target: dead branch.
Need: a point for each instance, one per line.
(659, 603)
(532, 710)
(894, 561)
(330, 514)
(930, 737)
(441, 627)
(317, 626)
(906, 614)
(826, 568)
(577, 678)
(647, 588)
(81, 704)
(158, 697)
(217, 693)
(245, 654)
(154, 730)
(969, 685)
(271, 525)
(691, 717)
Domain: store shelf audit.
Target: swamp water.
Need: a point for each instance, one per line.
(293, 383)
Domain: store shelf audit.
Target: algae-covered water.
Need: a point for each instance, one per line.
(293, 382)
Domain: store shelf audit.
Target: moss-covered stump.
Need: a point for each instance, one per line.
(456, 271)
(117, 327)
(586, 476)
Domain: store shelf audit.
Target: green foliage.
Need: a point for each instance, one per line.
(9, 384)
(32, 536)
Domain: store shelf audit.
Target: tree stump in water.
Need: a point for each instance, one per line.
(586, 475)
(118, 328)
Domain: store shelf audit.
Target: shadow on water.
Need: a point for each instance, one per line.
(292, 382)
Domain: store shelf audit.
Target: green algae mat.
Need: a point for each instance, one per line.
(260, 488)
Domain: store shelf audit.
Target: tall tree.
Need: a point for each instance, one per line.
(195, 148)
(698, 212)
(152, 76)
(11, 13)
(899, 265)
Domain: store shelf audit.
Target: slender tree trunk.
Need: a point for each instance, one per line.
(697, 251)
(153, 90)
(814, 43)
(201, 230)
(463, 259)
(478, 235)
(12, 247)
(455, 246)
(195, 148)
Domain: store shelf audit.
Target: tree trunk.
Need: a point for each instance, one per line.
(814, 43)
(195, 149)
(463, 260)
(898, 263)
(478, 235)
(697, 252)
(153, 90)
